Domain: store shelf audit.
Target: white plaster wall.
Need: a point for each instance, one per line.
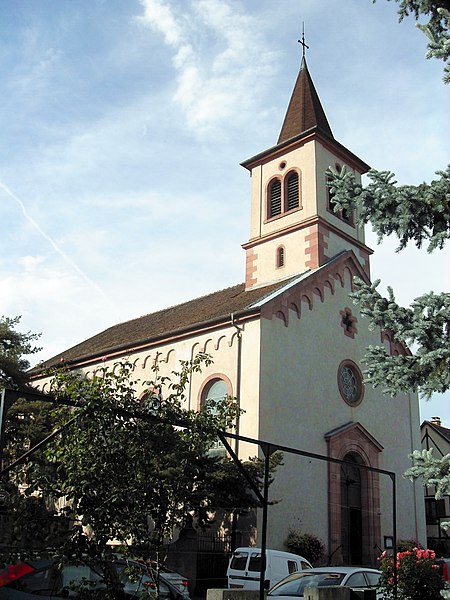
(223, 346)
(300, 403)
(303, 158)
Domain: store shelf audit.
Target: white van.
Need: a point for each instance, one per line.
(245, 566)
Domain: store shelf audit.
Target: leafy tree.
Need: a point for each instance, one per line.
(132, 472)
(26, 423)
(13, 347)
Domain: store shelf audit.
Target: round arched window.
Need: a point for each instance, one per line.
(350, 382)
(217, 389)
(214, 391)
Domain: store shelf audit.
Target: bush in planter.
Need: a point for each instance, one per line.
(305, 544)
(418, 576)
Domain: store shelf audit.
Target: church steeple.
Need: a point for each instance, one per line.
(305, 112)
(293, 224)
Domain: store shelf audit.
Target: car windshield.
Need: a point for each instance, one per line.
(296, 586)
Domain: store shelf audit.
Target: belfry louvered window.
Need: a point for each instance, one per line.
(284, 194)
(275, 198)
(292, 195)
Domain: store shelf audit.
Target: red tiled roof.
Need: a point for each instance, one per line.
(182, 318)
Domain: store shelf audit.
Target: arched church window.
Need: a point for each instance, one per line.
(214, 391)
(292, 190)
(275, 198)
(281, 253)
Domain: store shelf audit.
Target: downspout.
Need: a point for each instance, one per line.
(261, 203)
(238, 376)
(190, 380)
(234, 516)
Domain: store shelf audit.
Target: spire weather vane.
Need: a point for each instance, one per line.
(302, 41)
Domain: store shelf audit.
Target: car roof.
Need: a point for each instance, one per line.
(341, 569)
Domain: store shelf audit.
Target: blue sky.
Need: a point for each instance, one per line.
(123, 125)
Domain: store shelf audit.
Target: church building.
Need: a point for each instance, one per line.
(288, 343)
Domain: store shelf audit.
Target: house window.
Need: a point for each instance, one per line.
(280, 257)
(283, 195)
(434, 510)
(350, 382)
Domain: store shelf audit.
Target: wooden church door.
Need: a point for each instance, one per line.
(352, 511)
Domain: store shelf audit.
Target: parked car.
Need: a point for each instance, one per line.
(45, 580)
(176, 579)
(293, 586)
(245, 565)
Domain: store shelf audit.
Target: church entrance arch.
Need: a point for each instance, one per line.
(353, 496)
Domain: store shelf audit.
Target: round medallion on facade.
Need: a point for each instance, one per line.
(350, 382)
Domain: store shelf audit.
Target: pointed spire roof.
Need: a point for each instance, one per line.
(305, 111)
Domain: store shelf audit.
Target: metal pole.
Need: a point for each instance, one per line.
(394, 532)
(266, 448)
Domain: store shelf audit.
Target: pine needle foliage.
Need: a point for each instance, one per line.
(436, 28)
(425, 326)
(414, 213)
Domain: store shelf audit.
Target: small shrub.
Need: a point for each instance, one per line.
(418, 576)
(404, 545)
(307, 545)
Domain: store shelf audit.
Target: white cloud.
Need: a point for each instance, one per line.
(30, 263)
(219, 86)
(159, 15)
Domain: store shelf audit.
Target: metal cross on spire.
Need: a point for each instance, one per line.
(302, 41)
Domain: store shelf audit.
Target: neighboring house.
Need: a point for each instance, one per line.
(437, 511)
(288, 344)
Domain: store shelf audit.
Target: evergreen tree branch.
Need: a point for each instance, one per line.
(413, 213)
(436, 29)
(425, 326)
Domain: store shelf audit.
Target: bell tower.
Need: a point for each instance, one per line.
(293, 226)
